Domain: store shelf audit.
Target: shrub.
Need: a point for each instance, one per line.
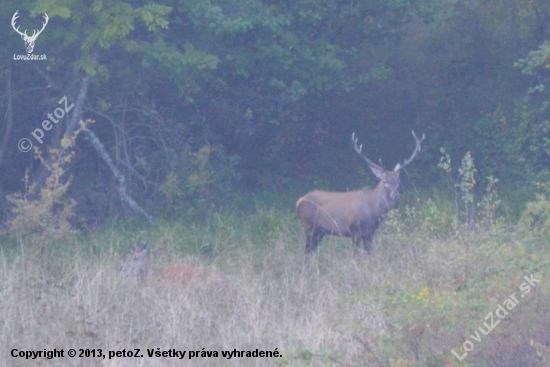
(42, 216)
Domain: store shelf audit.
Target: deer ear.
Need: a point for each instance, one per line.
(378, 172)
(397, 167)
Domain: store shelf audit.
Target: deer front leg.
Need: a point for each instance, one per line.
(356, 238)
(312, 241)
(367, 242)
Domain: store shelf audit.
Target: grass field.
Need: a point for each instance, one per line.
(429, 284)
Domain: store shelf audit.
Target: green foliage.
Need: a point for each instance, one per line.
(153, 15)
(46, 217)
(420, 305)
(174, 196)
(532, 16)
(270, 91)
(536, 216)
(536, 61)
(440, 216)
(436, 216)
(500, 145)
(533, 114)
(104, 24)
(490, 202)
(268, 226)
(467, 180)
(170, 58)
(463, 185)
(92, 67)
(278, 87)
(198, 181)
(114, 23)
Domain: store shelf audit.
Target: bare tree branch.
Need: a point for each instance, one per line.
(72, 124)
(98, 146)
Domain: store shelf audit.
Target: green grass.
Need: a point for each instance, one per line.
(424, 290)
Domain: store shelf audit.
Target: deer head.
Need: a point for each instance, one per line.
(389, 179)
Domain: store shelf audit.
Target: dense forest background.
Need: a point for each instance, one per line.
(195, 125)
(199, 104)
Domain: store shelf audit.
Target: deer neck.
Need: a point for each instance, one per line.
(382, 199)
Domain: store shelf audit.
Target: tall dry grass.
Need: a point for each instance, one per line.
(421, 293)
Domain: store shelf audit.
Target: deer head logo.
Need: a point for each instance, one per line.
(29, 40)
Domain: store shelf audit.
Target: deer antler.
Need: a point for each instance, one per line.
(417, 149)
(358, 150)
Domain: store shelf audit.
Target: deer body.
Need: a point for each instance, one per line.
(355, 214)
(187, 274)
(137, 264)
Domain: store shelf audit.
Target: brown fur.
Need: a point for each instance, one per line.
(355, 214)
(137, 264)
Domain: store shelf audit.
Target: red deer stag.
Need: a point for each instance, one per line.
(355, 214)
(137, 264)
